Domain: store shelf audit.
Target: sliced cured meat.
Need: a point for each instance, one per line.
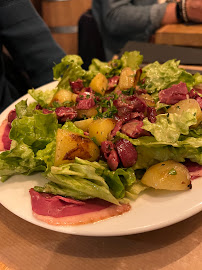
(5, 141)
(57, 210)
(111, 211)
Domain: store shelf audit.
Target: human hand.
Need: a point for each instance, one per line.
(194, 10)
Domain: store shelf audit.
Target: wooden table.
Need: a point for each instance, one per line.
(180, 34)
(25, 246)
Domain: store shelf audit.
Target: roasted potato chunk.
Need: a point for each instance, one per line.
(127, 79)
(184, 105)
(100, 129)
(62, 96)
(99, 84)
(70, 145)
(86, 113)
(169, 175)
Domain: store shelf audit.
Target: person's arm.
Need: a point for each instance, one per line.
(28, 40)
(125, 18)
(192, 9)
(170, 15)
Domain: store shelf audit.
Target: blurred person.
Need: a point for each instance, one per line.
(120, 21)
(32, 50)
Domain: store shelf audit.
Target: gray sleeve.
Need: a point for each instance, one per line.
(157, 12)
(129, 18)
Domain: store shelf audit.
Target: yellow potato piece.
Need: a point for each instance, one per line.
(100, 129)
(70, 145)
(99, 84)
(127, 78)
(169, 175)
(62, 96)
(184, 105)
(86, 113)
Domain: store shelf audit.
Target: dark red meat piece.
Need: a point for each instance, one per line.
(199, 100)
(11, 116)
(133, 129)
(85, 101)
(151, 114)
(65, 113)
(106, 148)
(113, 160)
(77, 86)
(127, 152)
(173, 94)
(112, 82)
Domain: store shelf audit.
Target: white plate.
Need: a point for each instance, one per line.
(152, 210)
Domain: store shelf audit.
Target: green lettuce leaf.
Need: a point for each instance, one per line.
(47, 155)
(85, 186)
(197, 78)
(161, 76)
(132, 59)
(36, 131)
(22, 109)
(19, 160)
(59, 69)
(128, 59)
(55, 189)
(117, 180)
(83, 171)
(43, 97)
(168, 127)
(71, 127)
(70, 70)
(151, 152)
(134, 191)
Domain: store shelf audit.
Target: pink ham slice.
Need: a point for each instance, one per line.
(195, 170)
(57, 210)
(5, 142)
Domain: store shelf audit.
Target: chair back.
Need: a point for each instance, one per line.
(89, 39)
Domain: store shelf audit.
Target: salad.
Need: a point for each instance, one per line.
(109, 132)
